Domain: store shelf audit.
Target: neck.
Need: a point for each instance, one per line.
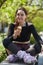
(21, 24)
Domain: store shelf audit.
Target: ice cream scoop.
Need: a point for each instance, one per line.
(19, 27)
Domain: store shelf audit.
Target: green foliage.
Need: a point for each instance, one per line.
(7, 14)
(3, 56)
(38, 23)
(7, 11)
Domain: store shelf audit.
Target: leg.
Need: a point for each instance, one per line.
(34, 50)
(17, 50)
(10, 46)
(8, 52)
(11, 49)
(31, 50)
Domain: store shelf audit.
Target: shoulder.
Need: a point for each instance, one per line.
(29, 23)
(11, 24)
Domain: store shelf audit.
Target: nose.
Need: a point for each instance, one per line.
(19, 16)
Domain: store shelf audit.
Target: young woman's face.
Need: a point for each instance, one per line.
(20, 16)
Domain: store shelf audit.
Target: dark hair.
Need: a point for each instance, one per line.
(22, 8)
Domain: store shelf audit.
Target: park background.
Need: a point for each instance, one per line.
(7, 16)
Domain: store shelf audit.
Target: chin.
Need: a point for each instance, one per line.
(19, 21)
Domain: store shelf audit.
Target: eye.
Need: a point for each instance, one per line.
(22, 14)
(18, 14)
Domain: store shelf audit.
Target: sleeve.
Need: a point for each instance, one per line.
(35, 34)
(10, 30)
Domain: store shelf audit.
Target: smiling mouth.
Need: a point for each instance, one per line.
(20, 19)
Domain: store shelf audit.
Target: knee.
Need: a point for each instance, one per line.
(6, 42)
(38, 48)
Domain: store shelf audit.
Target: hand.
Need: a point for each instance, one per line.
(19, 28)
(17, 32)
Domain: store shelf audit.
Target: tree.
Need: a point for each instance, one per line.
(2, 2)
(8, 9)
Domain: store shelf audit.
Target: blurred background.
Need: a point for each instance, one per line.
(7, 16)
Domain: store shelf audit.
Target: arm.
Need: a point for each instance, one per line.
(10, 30)
(14, 33)
(35, 34)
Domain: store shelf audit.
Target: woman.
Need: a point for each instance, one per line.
(18, 39)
